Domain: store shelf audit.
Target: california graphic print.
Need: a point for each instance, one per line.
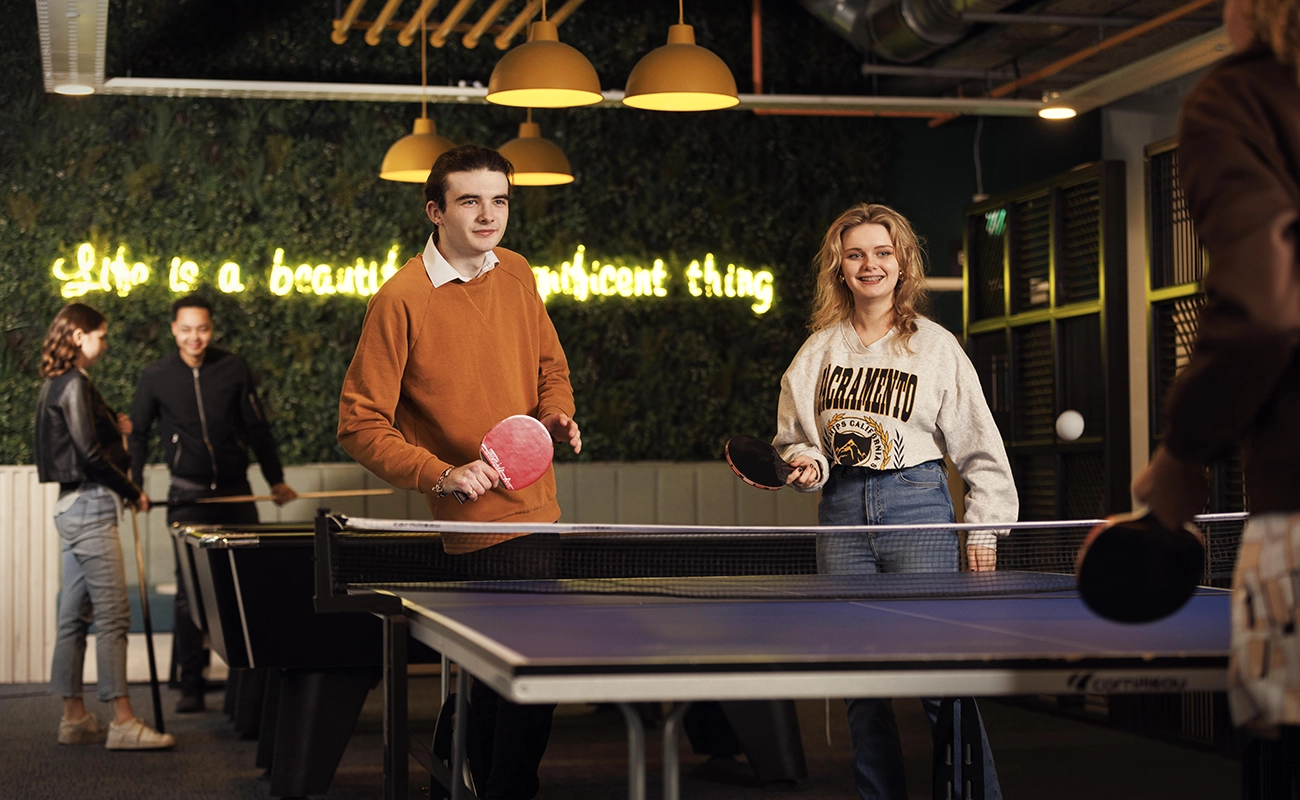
(862, 403)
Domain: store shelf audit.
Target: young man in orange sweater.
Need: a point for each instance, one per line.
(452, 344)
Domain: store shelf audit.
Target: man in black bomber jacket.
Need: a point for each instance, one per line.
(206, 447)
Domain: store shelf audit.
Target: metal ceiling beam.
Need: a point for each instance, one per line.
(406, 93)
(1174, 62)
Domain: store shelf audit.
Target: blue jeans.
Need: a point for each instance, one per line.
(94, 590)
(860, 496)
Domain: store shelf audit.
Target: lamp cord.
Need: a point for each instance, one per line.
(424, 72)
(681, 17)
(543, 10)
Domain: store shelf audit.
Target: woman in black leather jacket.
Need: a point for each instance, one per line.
(79, 445)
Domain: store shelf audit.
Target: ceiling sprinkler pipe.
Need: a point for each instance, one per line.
(902, 31)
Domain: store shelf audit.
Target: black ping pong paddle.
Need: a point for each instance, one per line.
(1133, 569)
(757, 463)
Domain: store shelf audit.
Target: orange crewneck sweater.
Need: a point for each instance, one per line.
(435, 369)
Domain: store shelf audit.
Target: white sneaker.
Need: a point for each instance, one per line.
(135, 735)
(86, 730)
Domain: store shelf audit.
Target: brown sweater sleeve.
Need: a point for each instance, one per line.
(554, 393)
(372, 388)
(1239, 138)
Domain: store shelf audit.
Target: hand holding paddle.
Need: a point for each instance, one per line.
(1133, 569)
(515, 453)
(756, 462)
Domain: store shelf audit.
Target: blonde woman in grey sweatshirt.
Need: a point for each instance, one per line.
(871, 404)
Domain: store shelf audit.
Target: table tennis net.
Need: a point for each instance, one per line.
(720, 562)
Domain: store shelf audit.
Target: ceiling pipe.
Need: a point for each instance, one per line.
(903, 31)
(413, 25)
(907, 71)
(756, 48)
(1088, 52)
(344, 23)
(470, 40)
(1070, 20)
(439, 37)
(517, 24)
(407, 93)
(376, 29)
(565, 11)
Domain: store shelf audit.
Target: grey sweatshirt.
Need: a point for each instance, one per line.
(885, 408)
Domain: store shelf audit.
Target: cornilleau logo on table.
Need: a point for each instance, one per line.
(1119, 684)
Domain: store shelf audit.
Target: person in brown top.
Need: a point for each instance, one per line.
(1239, 161)
(456, 341)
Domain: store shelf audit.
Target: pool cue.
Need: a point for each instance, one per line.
(144, 612)
(258, 498)
(148, 627)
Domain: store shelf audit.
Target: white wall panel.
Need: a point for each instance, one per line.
(646, 493)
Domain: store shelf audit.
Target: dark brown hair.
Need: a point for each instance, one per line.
(466, 158)
(59, 352)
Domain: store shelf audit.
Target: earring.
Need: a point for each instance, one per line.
(840, 277)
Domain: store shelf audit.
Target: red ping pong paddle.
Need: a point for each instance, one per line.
(756, 462)
(519, 448)
(1133, 569)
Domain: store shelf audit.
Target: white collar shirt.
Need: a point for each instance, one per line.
(441, 271)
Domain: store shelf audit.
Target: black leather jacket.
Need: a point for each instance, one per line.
(77, 439)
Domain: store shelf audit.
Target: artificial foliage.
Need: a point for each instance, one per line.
(212, 180)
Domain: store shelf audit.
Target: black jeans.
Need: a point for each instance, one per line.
(505, 744)
(507, 740)
(191, 656)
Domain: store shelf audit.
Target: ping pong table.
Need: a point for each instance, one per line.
(787, 642)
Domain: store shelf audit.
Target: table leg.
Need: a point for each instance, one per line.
(445, 675)
(460, 732)
(635, 752)
(672, 732)
(396, 777)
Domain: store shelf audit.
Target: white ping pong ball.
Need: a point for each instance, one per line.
(1069, 426)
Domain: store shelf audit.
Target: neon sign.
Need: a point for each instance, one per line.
(576, 278)
(581, 281)
(114, 273)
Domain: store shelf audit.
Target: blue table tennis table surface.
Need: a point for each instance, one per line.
(579, 647)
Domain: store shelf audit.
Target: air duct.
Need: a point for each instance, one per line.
(902, 31)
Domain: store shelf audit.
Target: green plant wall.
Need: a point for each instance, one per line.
(213, 180)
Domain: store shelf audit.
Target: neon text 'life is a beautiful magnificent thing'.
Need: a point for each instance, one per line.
(576, 279)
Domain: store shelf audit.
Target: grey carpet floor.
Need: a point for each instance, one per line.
(1038, 756)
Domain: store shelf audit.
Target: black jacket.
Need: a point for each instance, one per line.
(77, 438)
(205, 444)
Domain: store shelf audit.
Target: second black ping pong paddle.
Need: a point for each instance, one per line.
(1133, 569)
(756, 462)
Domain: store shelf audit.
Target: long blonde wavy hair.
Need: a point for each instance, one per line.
(834, 301)
(1277, 26)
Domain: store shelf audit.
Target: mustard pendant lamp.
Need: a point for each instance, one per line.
(543, 72)
(681, 76)
(411, 158)
(537, 161)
